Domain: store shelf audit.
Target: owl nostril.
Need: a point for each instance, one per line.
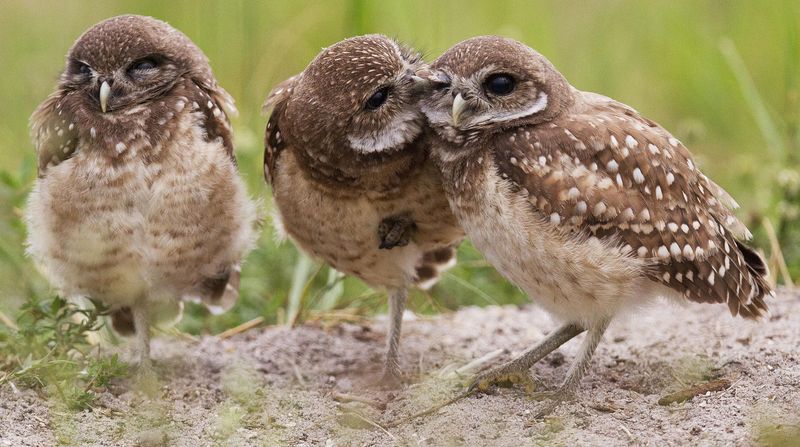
(108, 80)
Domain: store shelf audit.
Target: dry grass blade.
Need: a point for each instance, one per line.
(777, 253)
(371, 422)
(694, 391)
(5, 319)
(345, 398)
(432, 409)
(246, 326)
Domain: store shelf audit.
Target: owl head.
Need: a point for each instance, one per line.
(490, 83)
(130, 60)
(124, 75)
(356, 101)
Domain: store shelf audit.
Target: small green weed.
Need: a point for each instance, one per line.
(49, 350)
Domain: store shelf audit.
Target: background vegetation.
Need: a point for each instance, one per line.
(724, 76)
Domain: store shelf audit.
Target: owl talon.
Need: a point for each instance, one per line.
(395, 231)
(503, 377)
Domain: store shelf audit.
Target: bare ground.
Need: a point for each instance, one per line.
(311, 386)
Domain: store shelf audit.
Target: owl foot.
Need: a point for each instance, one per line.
(503, 376)
(395, 231)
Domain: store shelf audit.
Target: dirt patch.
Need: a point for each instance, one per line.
(310, 386)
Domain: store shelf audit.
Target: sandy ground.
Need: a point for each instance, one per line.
(280, 386)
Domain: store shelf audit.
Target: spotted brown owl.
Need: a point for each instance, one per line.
(589, 207)
(138, 202)
(350, 178)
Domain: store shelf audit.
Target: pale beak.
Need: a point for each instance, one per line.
(419, 84)
(420, 76)
(105, 92)
(459, 104)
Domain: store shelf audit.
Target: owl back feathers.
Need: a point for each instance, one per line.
(273, 140)
(605, 171)
(54, 133)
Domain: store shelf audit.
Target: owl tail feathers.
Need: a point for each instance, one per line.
(433, 264)
(221, 293)
(755, 306)
(163, 314)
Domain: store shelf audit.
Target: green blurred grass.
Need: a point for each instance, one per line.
(663, 58)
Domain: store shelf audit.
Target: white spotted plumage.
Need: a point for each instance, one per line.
(618, 215)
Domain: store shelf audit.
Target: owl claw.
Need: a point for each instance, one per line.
(503, 377)
(395, 231)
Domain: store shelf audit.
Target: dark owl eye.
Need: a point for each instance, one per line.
(377, 99)
(143, 65)
(83, 69)
(500, 84)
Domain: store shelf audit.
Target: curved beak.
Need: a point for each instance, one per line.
(459, 105)
(105, 92)
(421, 75)
(419, 85)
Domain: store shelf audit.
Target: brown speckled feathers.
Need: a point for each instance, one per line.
(606, 171)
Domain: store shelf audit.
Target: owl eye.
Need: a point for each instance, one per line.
(142, 65)
(81, 68)
(377, 99)
(500, 84)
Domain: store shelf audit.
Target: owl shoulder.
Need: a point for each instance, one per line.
(274, 142)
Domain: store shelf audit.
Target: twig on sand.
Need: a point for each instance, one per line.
(452, 371)
(298, 373)
(480, 362)
(372, 423)
(432, 409)
(627, 432)
(692, 392)
(342, 397)
(246, 326)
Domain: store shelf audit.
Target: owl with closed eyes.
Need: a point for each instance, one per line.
(138, 202)
(351, 181)
(589, 207)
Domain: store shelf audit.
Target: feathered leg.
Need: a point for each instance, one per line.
(397, 305)
(577, 370)
(141, 323)
(516, 370)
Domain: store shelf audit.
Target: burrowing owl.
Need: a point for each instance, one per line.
(352, 183)
(138, 202)
(579, 200)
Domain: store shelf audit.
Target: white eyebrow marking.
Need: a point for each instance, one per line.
(536, 107)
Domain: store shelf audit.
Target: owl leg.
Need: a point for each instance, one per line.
(577, 370)
(516, 370)
(397, 305)
(395, 231)
(141, 323)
